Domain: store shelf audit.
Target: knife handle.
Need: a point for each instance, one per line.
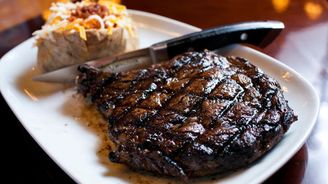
(255, 33)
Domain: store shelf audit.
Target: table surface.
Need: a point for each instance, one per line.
(303, 45)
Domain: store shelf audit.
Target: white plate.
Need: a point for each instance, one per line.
(55, 120)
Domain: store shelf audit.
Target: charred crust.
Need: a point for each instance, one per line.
(196, 115)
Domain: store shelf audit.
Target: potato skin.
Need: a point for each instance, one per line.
(67, 47)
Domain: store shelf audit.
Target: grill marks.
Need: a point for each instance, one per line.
(195, 115)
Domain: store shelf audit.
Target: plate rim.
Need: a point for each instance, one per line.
(273, 169)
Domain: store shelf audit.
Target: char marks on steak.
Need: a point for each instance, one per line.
(195, 115)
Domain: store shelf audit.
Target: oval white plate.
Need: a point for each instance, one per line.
(48, 115)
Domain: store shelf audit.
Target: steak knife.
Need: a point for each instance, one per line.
(259, 33)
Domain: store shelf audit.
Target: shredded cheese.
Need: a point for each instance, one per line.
(60, 19)
(75, 26)
(97, 18)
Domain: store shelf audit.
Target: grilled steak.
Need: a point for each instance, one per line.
(195, 115)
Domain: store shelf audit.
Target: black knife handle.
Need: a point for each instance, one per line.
(255, 33)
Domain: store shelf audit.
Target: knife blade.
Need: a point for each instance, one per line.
(259, 33)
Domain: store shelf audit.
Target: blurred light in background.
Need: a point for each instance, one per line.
(313, 10)
(280, 5)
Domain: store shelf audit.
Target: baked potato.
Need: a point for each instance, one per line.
(77, 32)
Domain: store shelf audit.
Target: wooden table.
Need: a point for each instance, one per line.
(303, 45)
